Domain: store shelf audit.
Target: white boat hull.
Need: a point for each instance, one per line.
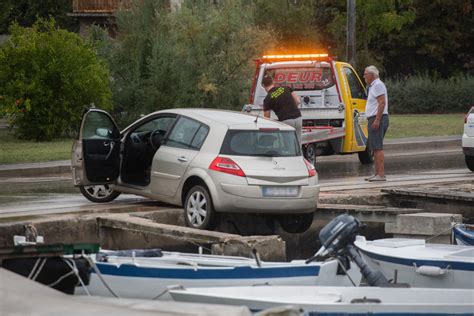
(420, 264)
(147, 278)
(347, 300)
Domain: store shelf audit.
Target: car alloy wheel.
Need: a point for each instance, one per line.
(99, 193)
(199, 212)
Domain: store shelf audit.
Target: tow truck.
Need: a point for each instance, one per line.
(332, 102)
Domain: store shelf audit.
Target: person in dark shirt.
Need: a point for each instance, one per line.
(284, 102)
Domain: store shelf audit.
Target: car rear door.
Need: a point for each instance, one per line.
(96, 152)
(176, 153)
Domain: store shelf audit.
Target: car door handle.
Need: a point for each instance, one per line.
(182, 159)
(111, 145)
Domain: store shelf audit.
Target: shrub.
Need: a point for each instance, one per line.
(48, 76)
(421, 94)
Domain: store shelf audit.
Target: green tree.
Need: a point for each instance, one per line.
(376, 19)
(292, 23)
(404, 37)
(47, 77)
(197, 56)
(439, 41)
(26, 12)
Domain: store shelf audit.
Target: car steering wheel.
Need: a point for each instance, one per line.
(152, 138)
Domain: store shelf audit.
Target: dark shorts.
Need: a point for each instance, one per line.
(376, 136)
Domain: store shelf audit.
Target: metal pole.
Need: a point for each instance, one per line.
(351, 26)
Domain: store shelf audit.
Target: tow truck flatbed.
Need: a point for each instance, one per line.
(321, 133)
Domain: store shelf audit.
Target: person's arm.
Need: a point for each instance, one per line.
(296, 98)
(266, 108)
(380, 108)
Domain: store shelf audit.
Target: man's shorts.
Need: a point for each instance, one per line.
(376, 136)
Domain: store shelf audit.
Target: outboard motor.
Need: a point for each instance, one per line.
(337, 239)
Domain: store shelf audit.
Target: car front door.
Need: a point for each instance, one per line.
(175, 155)
(96, 152)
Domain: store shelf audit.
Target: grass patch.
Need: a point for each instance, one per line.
(14, 150)
(416, 125)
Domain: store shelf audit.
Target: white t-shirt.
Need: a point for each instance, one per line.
(376, 89)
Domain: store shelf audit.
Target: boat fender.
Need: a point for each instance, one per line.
(431, 271)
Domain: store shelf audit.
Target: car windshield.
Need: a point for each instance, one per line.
(261, 143)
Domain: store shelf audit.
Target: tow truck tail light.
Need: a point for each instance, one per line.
(226, 165)
(311, 168)
(467, 114)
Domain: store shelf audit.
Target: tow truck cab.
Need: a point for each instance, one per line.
(332, 102)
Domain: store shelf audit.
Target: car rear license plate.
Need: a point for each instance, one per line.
(280, 191)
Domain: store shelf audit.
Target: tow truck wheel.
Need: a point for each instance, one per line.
(470, 162)
(296, 223)
(310, 154)
(367, 156)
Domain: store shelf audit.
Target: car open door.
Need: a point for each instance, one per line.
(96, 152)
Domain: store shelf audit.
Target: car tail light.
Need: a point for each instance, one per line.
(311, 168)
(268, 129)
(226, 165)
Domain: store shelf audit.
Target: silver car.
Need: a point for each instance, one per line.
(205, 160)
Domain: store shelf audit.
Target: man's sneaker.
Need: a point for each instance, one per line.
(371, 177)
(378, 178)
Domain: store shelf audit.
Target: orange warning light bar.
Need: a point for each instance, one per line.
(295, 56)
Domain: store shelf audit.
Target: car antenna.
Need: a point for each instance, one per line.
(256, 118)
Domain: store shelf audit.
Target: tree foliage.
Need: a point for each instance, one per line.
(47, 77)
(404, 37)
(198, 56)
(26, 12)
(292, 23)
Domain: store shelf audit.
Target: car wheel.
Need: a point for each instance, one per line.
(367, 156)
(99, 193)
(198, 209)
(297, 223)
(470, 162)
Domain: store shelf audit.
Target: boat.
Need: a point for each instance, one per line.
(21, 296)
(418, 263)
(148, 274)
(313, 300)
(382, 297)
(59, 265)
(463, 234)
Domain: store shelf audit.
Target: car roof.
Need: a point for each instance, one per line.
(231, 119)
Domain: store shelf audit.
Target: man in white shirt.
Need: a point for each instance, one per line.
(376, 111)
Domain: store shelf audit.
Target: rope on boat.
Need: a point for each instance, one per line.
(40, 268)
(160, 295)
(34, 268)
(61, 278)
(96, 269)
(76, 271)
(443, 231)
(171, 287)
(345, 271)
